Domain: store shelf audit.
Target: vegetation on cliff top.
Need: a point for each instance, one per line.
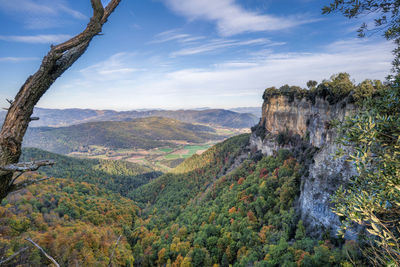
(337, 88)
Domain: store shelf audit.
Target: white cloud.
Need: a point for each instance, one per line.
(40, 14)
(190, 46)
(16, 59)
(361, 60)
(236, 65)
(27, 6)
(231, 18)
(37, 39)
(175, 35)
(221, 44)
(223, 84)
(74, 13)
(113, 68)
(46, 7)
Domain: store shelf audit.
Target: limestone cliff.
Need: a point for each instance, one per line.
(298, 123)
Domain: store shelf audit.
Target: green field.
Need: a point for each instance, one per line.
(196, 148)
(172, 156)
(166, 150)
(185, 152)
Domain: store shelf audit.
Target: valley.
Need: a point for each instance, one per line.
(162, 158)
(161, 143)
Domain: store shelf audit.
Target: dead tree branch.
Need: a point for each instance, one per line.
(27, 166)
(2, 262)
(112, 254)
(44, 252)
(16, 177)
(54, 64)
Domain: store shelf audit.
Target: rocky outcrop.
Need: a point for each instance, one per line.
(290, 123)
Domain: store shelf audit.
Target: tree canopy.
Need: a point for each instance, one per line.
(372, 198)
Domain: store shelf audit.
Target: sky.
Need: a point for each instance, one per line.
(176, 54)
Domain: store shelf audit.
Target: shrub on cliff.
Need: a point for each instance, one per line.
(367, 89)
(291, 92)
(337, 88)
(270, 92)
(372, 198)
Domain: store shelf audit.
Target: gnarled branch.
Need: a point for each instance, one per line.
(27, 166)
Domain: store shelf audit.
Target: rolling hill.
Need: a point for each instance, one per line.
(143, 133)
(67, 117)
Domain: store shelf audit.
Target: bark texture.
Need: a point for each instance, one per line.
(54, 64)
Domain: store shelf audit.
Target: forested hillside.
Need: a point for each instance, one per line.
(200, 216)
(75, 222)
(118, 176)
(171, 191)
(76, 216)
(144, 133)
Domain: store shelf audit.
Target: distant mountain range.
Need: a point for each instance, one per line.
(244, 118)
(141, 133)
(256, 111)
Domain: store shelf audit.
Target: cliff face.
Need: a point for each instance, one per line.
(301, 116)
(301, 119)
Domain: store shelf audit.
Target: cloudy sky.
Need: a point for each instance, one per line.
(184, 53)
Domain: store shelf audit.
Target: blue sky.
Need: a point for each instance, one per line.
(185, 53)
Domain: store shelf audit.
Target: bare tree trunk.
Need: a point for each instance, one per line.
(54, 64)
(44, 252)
(110, 263)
